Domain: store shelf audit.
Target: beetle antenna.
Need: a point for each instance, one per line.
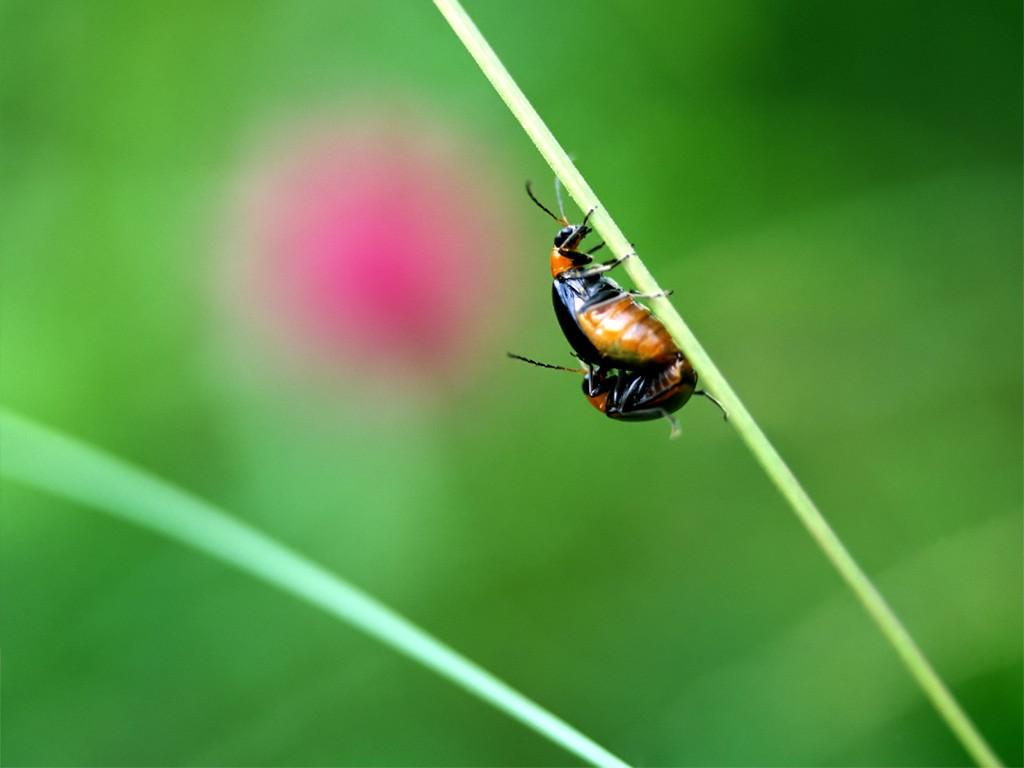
(529, 191)
(704, 393)
(558, 197)
(545, 365)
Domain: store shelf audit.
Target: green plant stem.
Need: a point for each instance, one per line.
(64, 467)
(713, 380)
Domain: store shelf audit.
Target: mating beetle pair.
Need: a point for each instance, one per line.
(633, 370)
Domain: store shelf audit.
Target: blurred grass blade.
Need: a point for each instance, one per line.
(60, 465)
(776, 469)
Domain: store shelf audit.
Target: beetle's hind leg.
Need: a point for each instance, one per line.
(674, 424)
(713, 399)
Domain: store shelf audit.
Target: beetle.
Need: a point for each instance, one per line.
(603, 322)
(633, 369)
(645, 395)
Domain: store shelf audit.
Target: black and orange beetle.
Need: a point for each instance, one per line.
(634, 371)
(653, 393)
(603, 323)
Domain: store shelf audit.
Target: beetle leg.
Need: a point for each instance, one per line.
(656, 295)
(604, 267)
(703, 393)
(595, 381)
(633, 392)
(675, 425)
(615, 262)
(579, 258)
(595, 249)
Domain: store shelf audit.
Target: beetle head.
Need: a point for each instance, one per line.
(570, 235)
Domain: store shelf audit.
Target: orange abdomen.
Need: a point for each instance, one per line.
(627, 334)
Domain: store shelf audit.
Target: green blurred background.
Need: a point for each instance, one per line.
(834, 192)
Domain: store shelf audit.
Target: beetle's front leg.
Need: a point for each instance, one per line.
(605, 266)
(578, 258)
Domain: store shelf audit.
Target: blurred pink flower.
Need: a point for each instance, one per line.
(372, 248)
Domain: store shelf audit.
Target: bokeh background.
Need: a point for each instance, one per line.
(275, 252)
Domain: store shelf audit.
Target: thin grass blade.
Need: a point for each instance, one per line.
(767, 456)
(62, 466)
